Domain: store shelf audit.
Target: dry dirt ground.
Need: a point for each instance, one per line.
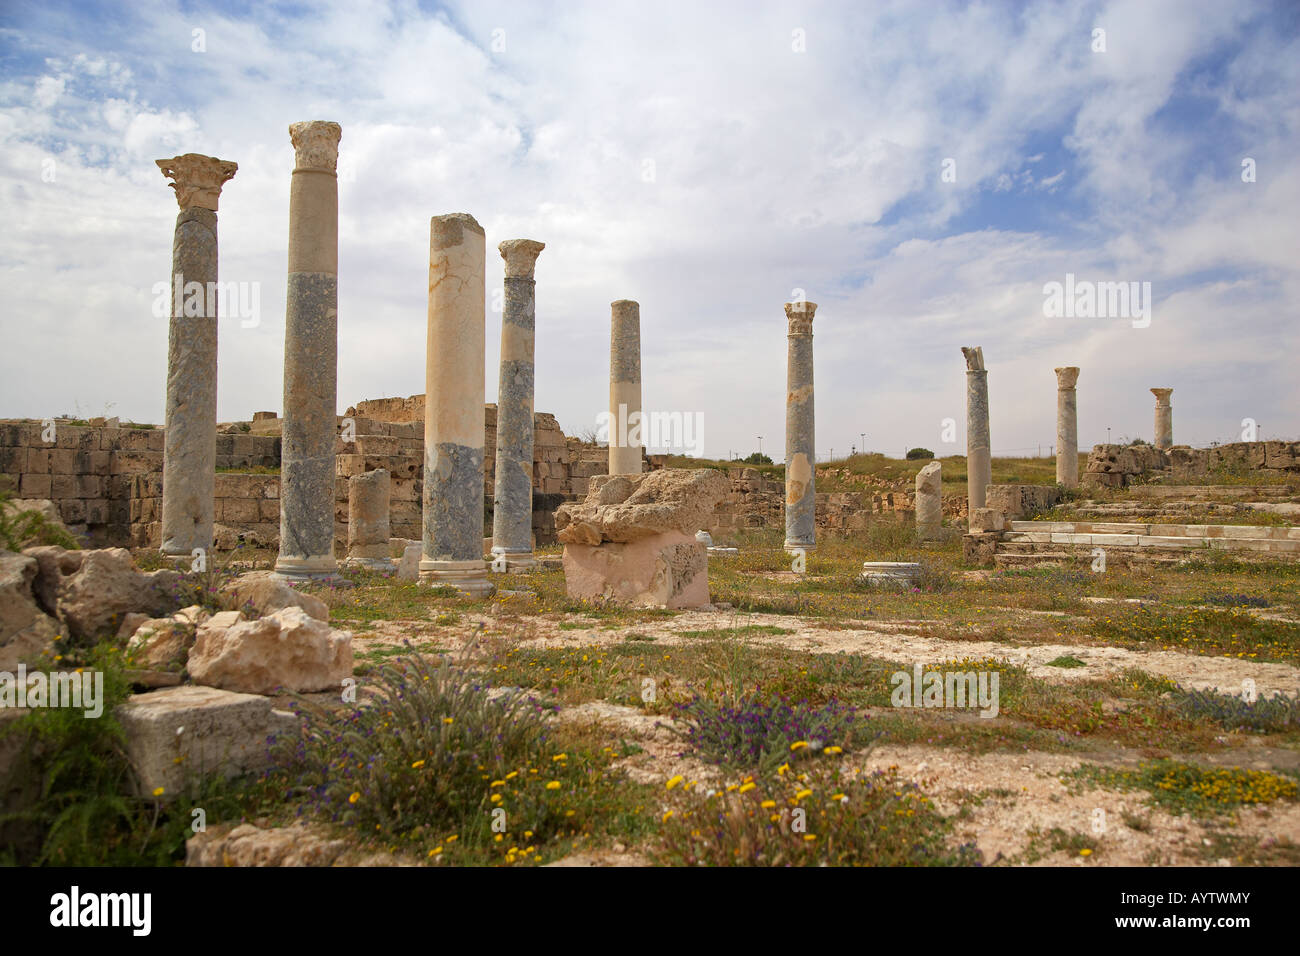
(1006, 802)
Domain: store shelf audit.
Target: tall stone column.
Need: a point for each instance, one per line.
(1067, 427)
(453, 407)
(929, 502)
(512, 500)
(625, 388)
(1164, 418)
(310, 356)
(369, 501)
(979, 460)
(190, 453)
(800, 440)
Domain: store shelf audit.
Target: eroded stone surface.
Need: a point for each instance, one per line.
(929, 501)
(287, 650)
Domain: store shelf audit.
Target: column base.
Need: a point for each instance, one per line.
(373, 564)
(468, 577)
(800, 545)
(321, 570)
(515, 560)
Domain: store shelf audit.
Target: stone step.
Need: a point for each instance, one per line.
(1196, 531)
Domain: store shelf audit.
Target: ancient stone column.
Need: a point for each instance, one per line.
(310, 356)
(369, 497)
(453, 407)
(190, 453)
(512, 502)
(625, 388)
(929, 501)
(800, 457)
(1067, 427)
(979, 461)
(1164, 418)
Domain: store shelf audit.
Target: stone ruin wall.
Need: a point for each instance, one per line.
(1116, 466)
(106, 482)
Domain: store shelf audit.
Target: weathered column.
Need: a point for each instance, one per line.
(512, 499)
(979, 461)
(800, 442)
(1067, 427)
(190, 453)
(369, 497)
(453, 407)
(310, 356)
(929, 501)
(1164, 418)
(625, 388)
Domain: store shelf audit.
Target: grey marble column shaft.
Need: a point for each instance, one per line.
(800, 437)
(1067, 427)
(310, 357)
(1164, 418)
(979, 460)
(453, 407)
(190, 452)
(512, 498)
(625, 431)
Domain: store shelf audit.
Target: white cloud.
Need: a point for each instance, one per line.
(773, 170)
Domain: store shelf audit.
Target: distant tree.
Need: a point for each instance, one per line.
(915, 453)
(758, 458)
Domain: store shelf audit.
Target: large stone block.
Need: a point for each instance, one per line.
(287, 650)
(182, 734)
(663, 570)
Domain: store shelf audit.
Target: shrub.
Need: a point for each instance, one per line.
(67, 794)
(432, 749)
(23, 529)
(1264, 715)
(835, 819)
(914, 453)
(757, 458)
(750, 732)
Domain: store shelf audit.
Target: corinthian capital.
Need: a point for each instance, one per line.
(521, 257)
(1067, 377)
(197, 179)
(316, 143)
(799, 315)
(974, 358)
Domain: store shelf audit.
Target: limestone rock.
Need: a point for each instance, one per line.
(106, 586)
(25, 630)
(408, 569)
(625, 508)
(664, 570)
(287, 649)
(265, 592)
(178, 734)
(54, 564)
(163, 644)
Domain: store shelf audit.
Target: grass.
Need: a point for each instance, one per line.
(1185, 788)
(1221, 633)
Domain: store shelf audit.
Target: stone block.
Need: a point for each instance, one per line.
(184, 734)
(979, 548)
(664, 570)
(986, 519)
(34, 486)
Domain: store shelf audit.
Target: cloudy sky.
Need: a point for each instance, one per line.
(921, 171)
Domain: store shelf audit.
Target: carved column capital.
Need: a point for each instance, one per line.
(197, 179)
